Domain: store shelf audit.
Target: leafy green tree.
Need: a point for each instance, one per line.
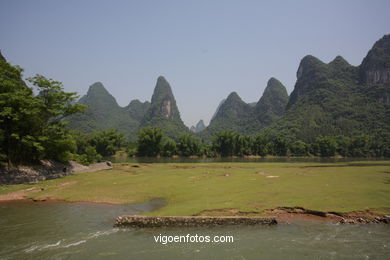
(189, 145)
(107, 142)
(86, 145)
(280, 146)
(149, 141)
(343, 145)
(260, 145)
(327, 146)
(360, 146)
(299, 148)
(224, 143)
(31, 125)
(169, 147)
(243, 145)
(88, 156)
(131, 149)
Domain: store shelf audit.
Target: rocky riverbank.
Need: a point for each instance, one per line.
(47, 170)
(190, 221)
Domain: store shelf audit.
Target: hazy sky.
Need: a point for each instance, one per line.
(205, 49)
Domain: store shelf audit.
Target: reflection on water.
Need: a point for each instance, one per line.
(211, 160)
(84, 231)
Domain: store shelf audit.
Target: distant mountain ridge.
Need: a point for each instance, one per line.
(163, 111)
(103, 112)
(200, 126)
(338, 98)
(234, 114)
(332, 98)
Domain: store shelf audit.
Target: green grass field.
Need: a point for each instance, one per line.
(249, 187)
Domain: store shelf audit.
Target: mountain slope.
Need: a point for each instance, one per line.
(163, 111)
(272, 103)
(137, 109)
(234, 115)
(103, 112)
(200, 126)
(338, 98)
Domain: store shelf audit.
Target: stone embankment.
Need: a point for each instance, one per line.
(47, 170)
(190, 221)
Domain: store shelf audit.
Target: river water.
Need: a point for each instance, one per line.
(59, 230)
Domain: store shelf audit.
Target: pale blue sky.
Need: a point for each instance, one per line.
(205, 49)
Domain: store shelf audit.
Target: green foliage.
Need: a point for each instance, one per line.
(224, 143)
(31, 124)
(260, 145)
(327, 146)
(93, 147)
(280, 146)
(88, 156)
(149, 141)
(169, 147)
(107, 142)
(299, 148)
(131, 149)
(189, 145)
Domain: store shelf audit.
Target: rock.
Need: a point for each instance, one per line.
(47, 170)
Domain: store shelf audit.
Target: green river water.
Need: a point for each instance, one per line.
(59, 230)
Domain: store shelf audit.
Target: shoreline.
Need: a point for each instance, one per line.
(281, 215)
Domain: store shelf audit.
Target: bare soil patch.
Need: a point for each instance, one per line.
(17, 195)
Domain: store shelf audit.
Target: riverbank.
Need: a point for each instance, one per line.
(235, 189)
(47, 170)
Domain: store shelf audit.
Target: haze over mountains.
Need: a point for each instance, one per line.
(328, 99)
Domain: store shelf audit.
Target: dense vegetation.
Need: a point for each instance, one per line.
(151, 142)
(31, 126)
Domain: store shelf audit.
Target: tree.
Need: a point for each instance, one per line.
(260, 145)
(360, 146)
(31, 125)
(189, 145)
(149, 141)
(280, 146)
(327, 146)
(107, 142)
(299, 148)
(224, 143)
(169, 147)
(242, 145)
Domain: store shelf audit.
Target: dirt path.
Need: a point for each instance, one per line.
(17, 195)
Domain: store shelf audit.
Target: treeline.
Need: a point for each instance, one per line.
(151, 142)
